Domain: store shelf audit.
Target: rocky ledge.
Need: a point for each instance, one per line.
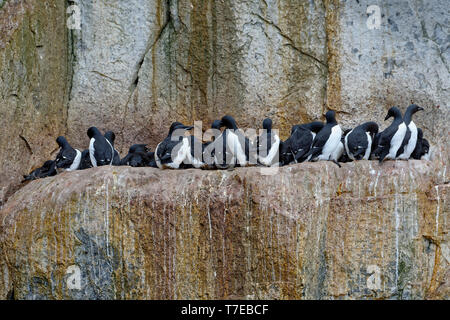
(306, 231)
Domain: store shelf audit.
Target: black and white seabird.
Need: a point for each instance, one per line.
(302, 137)
(101, 150)
(426, 153)
(48, 169)
(85, 160)
(232, 148)
(421, 152)
(358, 142)
(68, 158)
(390, 140)
(111, 137)
(410, 140)
(268, 144)
(344, 156)
(174, 149)
(137, 156)
(327, 140)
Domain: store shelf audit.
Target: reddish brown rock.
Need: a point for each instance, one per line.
(310, 231)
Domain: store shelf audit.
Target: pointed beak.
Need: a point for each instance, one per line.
(387, 117)
(420, 109)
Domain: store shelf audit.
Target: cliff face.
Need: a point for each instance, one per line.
(34, 80)
(142, 64)
(135, 66)
(310, 231)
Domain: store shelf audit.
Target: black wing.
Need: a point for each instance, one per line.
(357, 141)
(319, 141)
(301, 141)
(102, 151)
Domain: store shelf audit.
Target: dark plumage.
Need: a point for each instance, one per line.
(410, 140)
(358, 142)
(67, 158)
(326, 141)
(174, 144)
(390, 140)
(85, 160)
(47, 170)
(100, 150)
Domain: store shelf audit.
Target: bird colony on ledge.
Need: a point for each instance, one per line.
(230, 147)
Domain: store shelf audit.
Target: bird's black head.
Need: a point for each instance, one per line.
(177, 126)
(371, 127)
(92, 131)
(229, 122)
(217, 124)
(62, 142)
(138, 148)
(413, 108)
(331, 117)
(110, 136)
(315, 126)
(267, 124)
(393, 112)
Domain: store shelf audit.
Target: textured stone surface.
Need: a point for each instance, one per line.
(155, 61)
(33, 86)
(406, 59)
(312, 231)
(143, 64)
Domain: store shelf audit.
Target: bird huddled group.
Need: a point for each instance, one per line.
(230, 147)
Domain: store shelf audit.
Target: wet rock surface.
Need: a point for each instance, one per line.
(308, 231)
(34, 86)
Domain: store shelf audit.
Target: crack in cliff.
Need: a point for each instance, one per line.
(150, 46)
(26, 144)
(291, 42)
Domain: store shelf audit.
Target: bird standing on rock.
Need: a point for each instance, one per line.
(301, 139)
(68, 158)
(390, 140)
(410, 140)
(358, 142)
(101, 151)
(327, 140)
(268, 144)
(173, 150)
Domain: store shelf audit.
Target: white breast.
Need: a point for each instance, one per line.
(76, 161)
(350, 155)
(157, 160)
(332, 143)
(235, 147)
(396, 141)
(412, 140)
(269, 159)
(369, 147)
(91, 152)
(181, 155)
(338, 151)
